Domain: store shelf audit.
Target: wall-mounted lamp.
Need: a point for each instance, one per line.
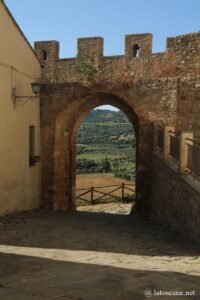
(35, 88)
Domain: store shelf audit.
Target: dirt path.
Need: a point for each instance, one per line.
(93, 256)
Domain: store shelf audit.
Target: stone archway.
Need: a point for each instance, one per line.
(85, 108)
(64, 123)
(160, 88)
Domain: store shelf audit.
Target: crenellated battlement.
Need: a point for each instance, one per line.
(136, 45)
(47, 50)
(183, 43)
(91, 47)
(182, 57)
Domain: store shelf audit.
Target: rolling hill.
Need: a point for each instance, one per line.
(106, 144)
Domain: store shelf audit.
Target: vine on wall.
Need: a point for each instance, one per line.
(86, 68)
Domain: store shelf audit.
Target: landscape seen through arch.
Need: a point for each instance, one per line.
(106, 157)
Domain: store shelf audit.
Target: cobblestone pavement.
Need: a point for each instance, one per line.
(94, 256)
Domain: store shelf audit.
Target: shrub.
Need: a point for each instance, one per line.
(86, 68)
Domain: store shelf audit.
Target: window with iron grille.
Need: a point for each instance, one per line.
(31, 146)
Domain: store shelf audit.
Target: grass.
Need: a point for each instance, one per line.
(82, 145)
(106, 123)
(98, 156)
(129, 166)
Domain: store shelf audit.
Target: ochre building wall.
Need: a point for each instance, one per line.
(19, 184)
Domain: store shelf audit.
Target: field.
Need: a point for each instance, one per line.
(99, 156)
(101, 180)
(106, 144)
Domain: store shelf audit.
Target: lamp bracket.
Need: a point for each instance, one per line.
(17, 100)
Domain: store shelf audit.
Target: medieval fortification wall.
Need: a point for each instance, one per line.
(152, 88)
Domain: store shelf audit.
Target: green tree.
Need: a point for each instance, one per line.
(106, 165)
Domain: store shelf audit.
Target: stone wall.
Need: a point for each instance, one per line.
(182, 58)
(175, 198)
(188, 104)
(161, 88)
(63, 105)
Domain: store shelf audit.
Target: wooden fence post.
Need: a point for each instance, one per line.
(122, 192)
(92, 195)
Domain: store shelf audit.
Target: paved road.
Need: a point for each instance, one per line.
(94, 256)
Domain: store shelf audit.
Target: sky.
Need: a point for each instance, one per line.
(67, 20)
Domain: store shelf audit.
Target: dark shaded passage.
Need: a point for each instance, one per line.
(94, 232)
(26, 278)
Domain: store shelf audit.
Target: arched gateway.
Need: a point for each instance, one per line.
(59, 145)
(150, 89)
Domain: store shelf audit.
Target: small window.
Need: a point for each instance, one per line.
(44, 55)
(31, 146)
(136, 50)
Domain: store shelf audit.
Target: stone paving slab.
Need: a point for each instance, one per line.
(93, 256)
